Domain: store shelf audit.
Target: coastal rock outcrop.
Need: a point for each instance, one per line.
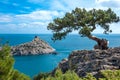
(91, 61)
(34, 47)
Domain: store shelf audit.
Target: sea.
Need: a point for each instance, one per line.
(32, 65)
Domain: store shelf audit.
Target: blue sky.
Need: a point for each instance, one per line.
(33, 16)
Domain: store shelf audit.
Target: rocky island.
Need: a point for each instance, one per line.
(34, 47)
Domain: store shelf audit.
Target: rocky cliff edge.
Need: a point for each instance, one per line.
(91, 61)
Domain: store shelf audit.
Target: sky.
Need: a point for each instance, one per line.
(33, 16)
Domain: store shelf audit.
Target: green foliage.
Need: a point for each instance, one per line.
(111, 75)
(85, 21)
(19, 76)
(71, 75)
(6, 66)
(89, 77)
(6, 62)
(41, 75)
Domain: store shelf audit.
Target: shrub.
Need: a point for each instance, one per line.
(71, 75)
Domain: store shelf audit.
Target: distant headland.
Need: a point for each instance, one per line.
(34, 47)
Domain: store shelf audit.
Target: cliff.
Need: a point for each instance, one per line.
(34, 47)
(91, 61)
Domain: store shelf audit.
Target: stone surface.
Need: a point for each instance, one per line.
(91, 61)
(34, 47)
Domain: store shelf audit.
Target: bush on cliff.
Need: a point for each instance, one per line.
(7, 72)
(110, 75)
(71, 75)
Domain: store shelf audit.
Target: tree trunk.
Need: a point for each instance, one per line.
(101, 43)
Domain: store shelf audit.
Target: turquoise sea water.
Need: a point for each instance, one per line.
(32, 65)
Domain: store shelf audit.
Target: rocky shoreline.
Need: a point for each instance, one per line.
(91, 61)
(34, 47)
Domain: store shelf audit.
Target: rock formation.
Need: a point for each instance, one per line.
(34, 47)
(91, 61)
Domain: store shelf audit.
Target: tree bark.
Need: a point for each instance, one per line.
(101, 43)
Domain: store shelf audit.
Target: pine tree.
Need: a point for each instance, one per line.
(7, 72)
(85, 22)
